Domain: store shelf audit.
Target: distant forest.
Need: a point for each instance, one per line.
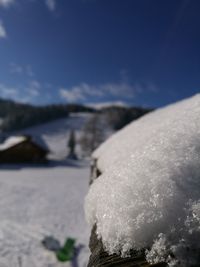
(16, 116)
(118, 117)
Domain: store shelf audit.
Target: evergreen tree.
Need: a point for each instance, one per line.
(72, 145)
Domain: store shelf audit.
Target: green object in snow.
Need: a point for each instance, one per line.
(66, 253)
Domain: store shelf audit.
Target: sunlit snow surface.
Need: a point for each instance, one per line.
(40, 202)
(149, 193)
(37, 201)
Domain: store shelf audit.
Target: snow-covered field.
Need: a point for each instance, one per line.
(41, 201)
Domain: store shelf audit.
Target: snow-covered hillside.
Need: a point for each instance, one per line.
(41, 201)
(56, 133)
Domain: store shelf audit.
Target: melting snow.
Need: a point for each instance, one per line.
(149, 192)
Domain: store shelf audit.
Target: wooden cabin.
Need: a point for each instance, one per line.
(23, 149)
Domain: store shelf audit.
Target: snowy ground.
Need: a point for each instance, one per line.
(40, 201)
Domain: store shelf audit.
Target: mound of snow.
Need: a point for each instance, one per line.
(149, 193)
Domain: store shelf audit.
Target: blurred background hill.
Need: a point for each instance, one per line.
(16, 116)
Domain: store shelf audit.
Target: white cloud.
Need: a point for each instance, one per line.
(15, 68)
(80, 92)
(6, 3)
(51, 4)
(73, 95)
(18, 69)
(35, 84)
(123, 90)
(22, 94)
(34, 88)
(84, 91)
(3, 33)
(34, 92)
(13, 93)
(8, 92)
(117, 89)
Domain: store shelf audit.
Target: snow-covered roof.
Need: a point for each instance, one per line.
(149, 192)
(11, 141)
(15, 140)
(37, 139)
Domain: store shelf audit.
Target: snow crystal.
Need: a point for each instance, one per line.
(149, 193)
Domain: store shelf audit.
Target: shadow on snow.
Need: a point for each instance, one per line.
(49, 164)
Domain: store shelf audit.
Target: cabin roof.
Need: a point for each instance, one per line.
(15, 140)
(37, 139)
(12, 141)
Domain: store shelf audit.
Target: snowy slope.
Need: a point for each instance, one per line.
(149, 192)
(56, 133)
(41, 201)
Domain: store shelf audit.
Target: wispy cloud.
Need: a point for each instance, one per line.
(72, 95)
(22, 94)
(3, 33)
(8, 92)
(34, 88)
(6, 3)
(15, 68)
(84, 91)
(123, 90)
(18, 69)
(51, 4)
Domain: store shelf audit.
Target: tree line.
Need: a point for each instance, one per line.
(16, 116)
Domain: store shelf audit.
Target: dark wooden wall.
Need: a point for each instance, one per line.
(24, 152)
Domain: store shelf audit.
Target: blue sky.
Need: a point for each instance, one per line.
(139, 52)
